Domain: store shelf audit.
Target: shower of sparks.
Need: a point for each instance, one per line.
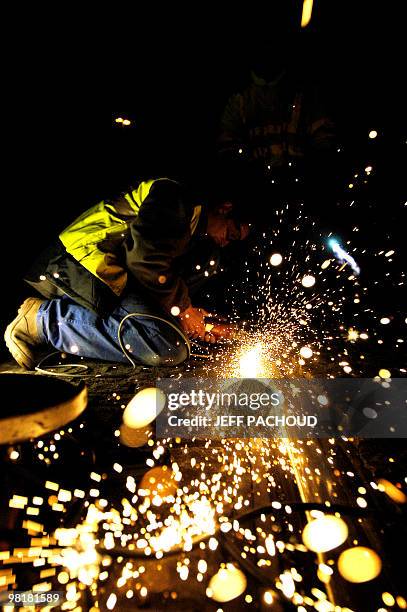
(118, 549)
(250, 365)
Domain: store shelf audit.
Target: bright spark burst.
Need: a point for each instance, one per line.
(343, 256)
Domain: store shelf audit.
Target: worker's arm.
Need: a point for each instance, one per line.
(159, 234)
(194, 324)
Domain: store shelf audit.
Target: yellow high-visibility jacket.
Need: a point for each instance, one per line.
(141, 234)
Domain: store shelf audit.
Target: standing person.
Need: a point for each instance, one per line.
(123, 256)
(278, 123)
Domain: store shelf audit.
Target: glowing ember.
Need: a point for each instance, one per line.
(276, 259)
(158, 481)
(134, 438)
(352, 334)
(227, 584)
(359, 564)
(325, 533)
(392, 491)
(306, 352)
(308, 281)
(144, 408)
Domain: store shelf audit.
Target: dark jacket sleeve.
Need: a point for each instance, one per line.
(160, 234)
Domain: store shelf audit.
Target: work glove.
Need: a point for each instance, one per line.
(194, 325)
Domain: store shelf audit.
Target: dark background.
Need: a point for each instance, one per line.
(171, 73)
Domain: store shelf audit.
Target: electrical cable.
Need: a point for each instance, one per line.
(38, 368)
(84, 367)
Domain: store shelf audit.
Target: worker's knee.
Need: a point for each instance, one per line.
(178, 354)
(159, 350)
(165, 353)
(154, 344)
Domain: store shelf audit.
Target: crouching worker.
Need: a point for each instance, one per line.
(124, 256)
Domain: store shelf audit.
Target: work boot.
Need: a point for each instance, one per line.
(22, 333)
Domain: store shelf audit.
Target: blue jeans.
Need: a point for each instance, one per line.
(71, 328)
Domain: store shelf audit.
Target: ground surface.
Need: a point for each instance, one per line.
(111, 387)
